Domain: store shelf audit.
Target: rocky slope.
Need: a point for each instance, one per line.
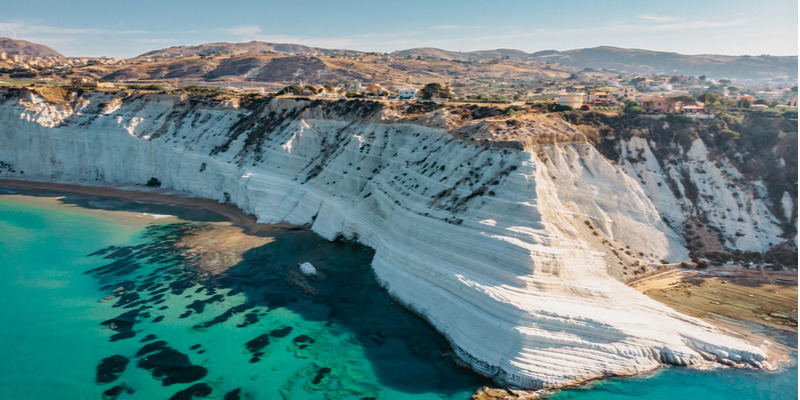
(510, 237)
(26, 48)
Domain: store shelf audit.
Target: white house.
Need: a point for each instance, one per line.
(407, 94)
(623, 93)
(664, 86)
(574, 100)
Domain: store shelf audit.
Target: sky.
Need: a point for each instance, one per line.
(130, 28)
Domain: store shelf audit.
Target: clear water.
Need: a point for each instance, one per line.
(347, 340)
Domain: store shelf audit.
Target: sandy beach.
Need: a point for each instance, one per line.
(237, 218)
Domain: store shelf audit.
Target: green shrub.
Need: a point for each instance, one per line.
(146, 87)
(153, 182)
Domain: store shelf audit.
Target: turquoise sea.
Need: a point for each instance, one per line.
(258, 331)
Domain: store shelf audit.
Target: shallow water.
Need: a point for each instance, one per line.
(262, 330)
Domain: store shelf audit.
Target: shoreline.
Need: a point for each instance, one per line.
(232, 213)
(757, 306)
(249, 226)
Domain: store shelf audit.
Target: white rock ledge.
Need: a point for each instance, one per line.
(487, 243)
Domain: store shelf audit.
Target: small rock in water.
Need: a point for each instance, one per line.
(110, 368)
(148, 338)
(307, 269)
(234, 394)
(193, 392)
(258, 343)
(280, 333)
(122, 336)
(113, 393)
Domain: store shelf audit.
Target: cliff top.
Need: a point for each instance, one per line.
(520, 127)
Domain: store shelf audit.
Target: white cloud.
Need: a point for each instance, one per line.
(447, 27)
(244, 30)
(656, 18)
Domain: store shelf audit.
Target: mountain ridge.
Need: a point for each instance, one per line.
(26, 49)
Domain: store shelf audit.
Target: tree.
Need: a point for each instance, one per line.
(727, 134)
(702, 77)
(432, 90)
(744, 103)
(153, 182)
(708, 98)
(712, 102)
(683, 99)
(291, 89)
(632, 108)
(725, 82)
(675, 79)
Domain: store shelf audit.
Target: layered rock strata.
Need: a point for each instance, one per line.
(510, 239)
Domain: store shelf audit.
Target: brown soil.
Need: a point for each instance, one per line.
(754, 305)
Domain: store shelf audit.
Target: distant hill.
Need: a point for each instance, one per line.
(648, 62)
(241, 48)
(432, 52)
(26, 48)
(634, 61)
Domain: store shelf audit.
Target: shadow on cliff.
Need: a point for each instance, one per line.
(406, 353)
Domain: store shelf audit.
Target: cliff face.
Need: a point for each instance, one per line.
(510, 238)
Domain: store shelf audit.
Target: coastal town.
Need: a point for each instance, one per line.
(392, 77)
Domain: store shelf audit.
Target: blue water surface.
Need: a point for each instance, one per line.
(259, 331)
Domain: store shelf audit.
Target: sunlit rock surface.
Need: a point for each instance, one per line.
(512, 241)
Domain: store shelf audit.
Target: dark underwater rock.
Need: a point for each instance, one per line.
(122, 336)
(113, 393)
(258, 343)
(281, 333)
(233, 395)
(172, 366)
(193, 392)
(110, 368)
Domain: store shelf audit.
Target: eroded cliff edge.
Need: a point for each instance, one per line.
(511, 238)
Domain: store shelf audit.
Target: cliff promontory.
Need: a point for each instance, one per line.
(511, 236)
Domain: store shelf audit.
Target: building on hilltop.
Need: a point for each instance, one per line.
(623, 93)
(407, 94)
(659, 105)
(574, 100)
(356, 87)
(597, 98)
(83, 82)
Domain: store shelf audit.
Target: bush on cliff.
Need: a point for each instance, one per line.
(153, 182)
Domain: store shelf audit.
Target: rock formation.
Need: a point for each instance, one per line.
(511, 238)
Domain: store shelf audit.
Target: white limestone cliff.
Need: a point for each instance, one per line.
(512, 255)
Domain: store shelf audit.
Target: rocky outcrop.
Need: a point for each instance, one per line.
(512, 245)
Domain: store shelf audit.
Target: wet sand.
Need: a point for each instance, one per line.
(754, 305)
(232, 213)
